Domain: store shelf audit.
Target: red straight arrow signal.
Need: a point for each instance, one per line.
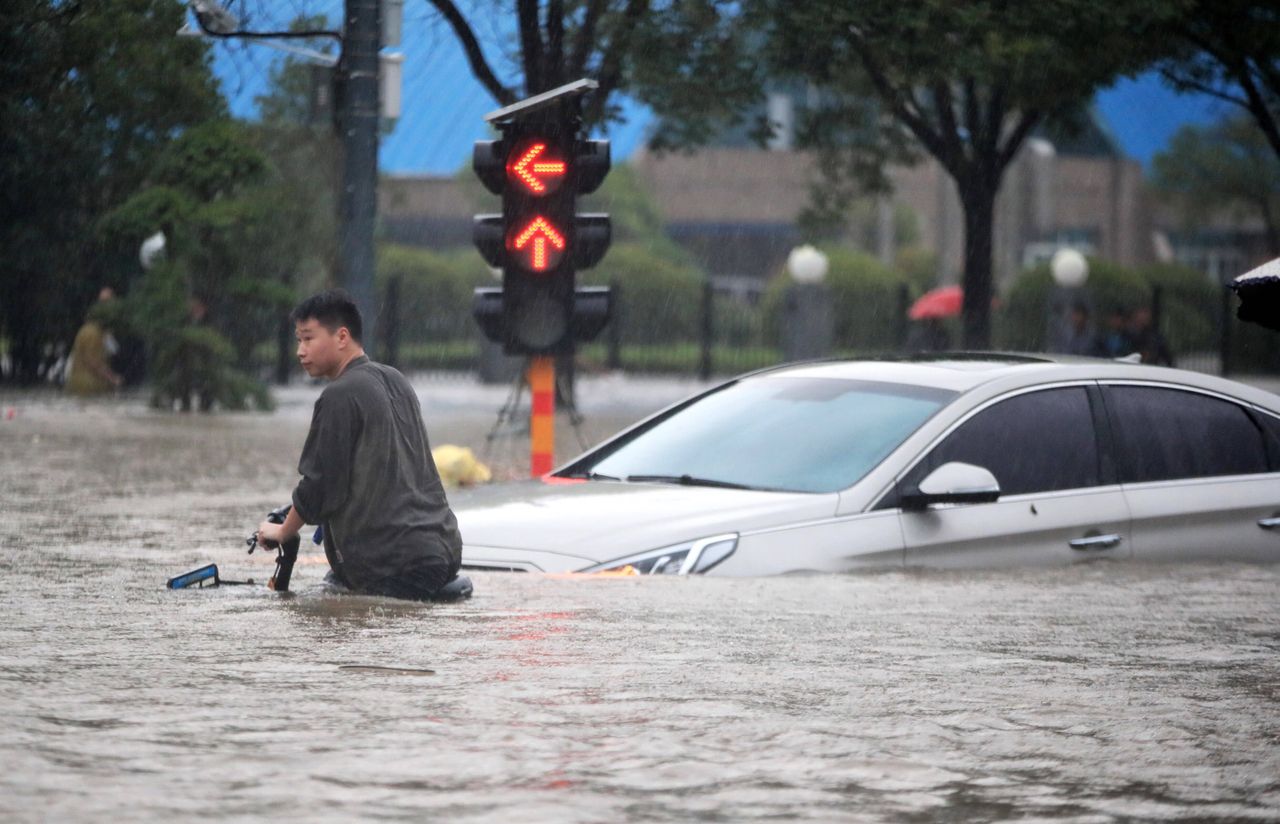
(536, 174)
(544, 243)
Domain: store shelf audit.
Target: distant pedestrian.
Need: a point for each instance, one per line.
(1147, 339)
(928, 335)
(90, 372)
(1076, 336)
(1117, 342)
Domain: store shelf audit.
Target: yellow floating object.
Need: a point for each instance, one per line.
(458, 466)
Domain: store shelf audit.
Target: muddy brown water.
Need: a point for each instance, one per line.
(1093, 693)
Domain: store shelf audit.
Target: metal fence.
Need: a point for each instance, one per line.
(733, 331)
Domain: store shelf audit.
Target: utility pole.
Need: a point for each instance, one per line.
(358, 125)
(356, 116)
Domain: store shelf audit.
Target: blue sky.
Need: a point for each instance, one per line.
(444, 106)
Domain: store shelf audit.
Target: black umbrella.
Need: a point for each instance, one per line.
(1259, 292)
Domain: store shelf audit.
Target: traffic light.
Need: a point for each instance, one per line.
(539, 241)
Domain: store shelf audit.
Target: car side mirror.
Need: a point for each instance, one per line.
(953, 483)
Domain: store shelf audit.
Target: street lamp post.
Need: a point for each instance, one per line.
(1070, 271)
(357, 120)
(807, 321)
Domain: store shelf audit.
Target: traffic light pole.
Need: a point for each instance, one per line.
(358, 124)
(542, 414)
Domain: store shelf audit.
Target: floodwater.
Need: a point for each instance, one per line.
(1094, 693)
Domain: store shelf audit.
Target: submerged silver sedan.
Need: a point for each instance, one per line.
(952, 461)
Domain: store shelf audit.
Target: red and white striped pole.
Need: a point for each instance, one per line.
(542, 415)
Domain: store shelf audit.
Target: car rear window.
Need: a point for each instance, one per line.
(780, 433)
(1165, 434)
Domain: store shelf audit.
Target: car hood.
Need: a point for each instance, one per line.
(572, 525)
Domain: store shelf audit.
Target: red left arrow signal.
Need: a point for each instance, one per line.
(533, 169)
(543, 244)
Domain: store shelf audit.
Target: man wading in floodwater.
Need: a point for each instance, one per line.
(367, 472)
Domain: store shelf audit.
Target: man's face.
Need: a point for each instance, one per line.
(320, 351)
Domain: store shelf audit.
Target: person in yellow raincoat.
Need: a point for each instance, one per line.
(91, 372)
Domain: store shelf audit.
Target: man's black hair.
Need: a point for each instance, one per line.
(333, 308)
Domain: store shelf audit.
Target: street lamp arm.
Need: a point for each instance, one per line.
(268, 35)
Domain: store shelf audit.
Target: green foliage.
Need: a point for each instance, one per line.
(1229, 49)
(866, 299)
(212, 197)
(918, 267)
(1023, 321)
(633, 213)
(660, 293)
(1227, 167)
(965, 82)
(435, 291)
(1190, 306)
(89, 93)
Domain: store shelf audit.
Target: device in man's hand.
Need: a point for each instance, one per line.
(286, 553)
(286, 556)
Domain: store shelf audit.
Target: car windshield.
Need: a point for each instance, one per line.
(775, 432)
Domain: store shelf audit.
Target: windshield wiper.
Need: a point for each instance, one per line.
(688, 480)
(591, 476)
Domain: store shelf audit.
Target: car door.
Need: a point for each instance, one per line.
(1199, 475)
(1059, 501)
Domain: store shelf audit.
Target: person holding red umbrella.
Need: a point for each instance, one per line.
(928, 333)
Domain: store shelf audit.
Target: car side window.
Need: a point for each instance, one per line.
(1035, 442)
(1271, 434)
(1164, 434)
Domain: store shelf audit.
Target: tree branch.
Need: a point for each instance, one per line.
(1262, 114)
(612, 59)
(909, 113)
(1204, 88)
(585, 38)
(949, 129)
(1029, 120)
(475, 57)
(973, 117)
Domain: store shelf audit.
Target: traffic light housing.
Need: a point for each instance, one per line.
(539, 166)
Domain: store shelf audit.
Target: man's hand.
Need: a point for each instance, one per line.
(275, 533)
(279, 533)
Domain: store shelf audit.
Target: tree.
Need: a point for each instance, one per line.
(965, 82)
(89, 93)
(1225, 166)
(214, 195)
(688, 59)
(1230, 49)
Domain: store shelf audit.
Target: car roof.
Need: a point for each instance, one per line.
(964, 371)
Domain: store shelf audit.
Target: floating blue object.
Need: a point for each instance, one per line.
(196, 577)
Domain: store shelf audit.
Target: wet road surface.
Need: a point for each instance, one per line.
(1105, 691)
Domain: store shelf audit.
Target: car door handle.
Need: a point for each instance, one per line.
(1269, 523)
(1095, 542)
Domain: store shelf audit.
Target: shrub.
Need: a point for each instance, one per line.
(660, 295)
(435, 291)
(866, 298)
(1190, 305)
(1021, 324)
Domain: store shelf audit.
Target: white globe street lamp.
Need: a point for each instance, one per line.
(151, 249)
(1069, 268)
(807, 265)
